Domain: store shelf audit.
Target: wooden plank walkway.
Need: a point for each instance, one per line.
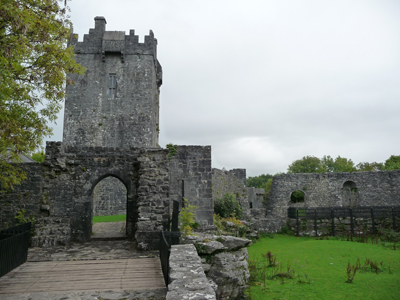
(88, 275)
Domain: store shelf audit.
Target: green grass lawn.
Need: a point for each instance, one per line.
(115, 218)
(324, 262)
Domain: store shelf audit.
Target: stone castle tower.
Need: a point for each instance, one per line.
(116, 102)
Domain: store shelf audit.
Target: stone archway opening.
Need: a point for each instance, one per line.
(349, 194)
(109, 202)
(297, 198)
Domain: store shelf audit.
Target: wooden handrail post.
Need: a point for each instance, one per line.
(373, 221)
(315, 222)
(394, 219)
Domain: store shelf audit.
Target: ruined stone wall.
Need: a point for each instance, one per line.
(255, 197)
(250, 199)
(224, 260)
(63, 186)
(332, 189)
(232, 182)
(109, 197)
(116, 102)
(191, 177)
(187, 278)
(28, 197)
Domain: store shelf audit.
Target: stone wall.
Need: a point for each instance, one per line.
(187, 278)
(232, 182)
(225, 263)
(251, 199)
(116, 102)
(380, 188)
(63, 187)
(27, 197)
(52, 232)
(191, 178)
(109, 197)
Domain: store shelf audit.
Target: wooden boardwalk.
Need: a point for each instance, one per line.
(88, 275)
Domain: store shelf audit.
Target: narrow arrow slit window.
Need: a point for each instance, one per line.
(112, 86)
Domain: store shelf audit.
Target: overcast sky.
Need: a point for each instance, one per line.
(268, 82)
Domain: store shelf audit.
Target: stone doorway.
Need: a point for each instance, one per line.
(297, 199)
(350, 194)
(109, 202)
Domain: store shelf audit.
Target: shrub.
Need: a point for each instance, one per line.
(228, 206)
(285, 230)
(230, 226)
(186, 217)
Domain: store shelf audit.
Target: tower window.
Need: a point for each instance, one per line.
(112, 86)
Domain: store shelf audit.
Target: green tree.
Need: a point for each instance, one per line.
(392, 163)
(34, 61)
(340, 164)
(308, 164)
(258, 181)
(374, 166)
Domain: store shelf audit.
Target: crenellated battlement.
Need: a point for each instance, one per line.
(100, 41)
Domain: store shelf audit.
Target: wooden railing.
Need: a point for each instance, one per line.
(372, 212)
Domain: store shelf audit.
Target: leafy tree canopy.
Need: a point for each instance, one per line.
(308, 164)
(374, 166)
(34, 61)
(258, 181)
(340, 164)
(392, 163)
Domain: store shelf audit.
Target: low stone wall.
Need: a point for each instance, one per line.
(187, 277)
(225, 263)
(52, 232)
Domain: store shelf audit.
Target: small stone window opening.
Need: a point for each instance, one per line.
(112, 86)
(251, 204)
(297, 197)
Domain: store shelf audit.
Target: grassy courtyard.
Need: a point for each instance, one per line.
(114, 218)
(318, 269)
